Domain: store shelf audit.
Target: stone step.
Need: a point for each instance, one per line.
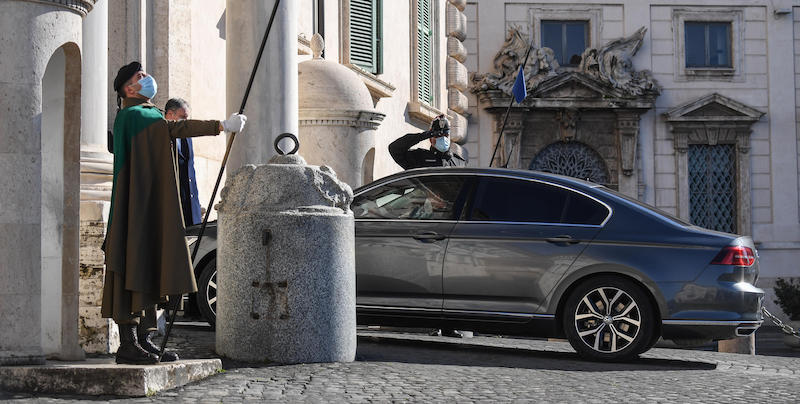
(95, 377)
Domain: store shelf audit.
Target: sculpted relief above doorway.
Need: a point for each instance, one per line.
(575, 119)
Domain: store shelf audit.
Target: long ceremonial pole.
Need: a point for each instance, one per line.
(508, 110)
(221, 169)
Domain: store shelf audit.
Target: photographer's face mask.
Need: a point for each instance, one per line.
(442, 143)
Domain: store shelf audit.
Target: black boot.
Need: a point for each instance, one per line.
(147, 344)
(129, 350)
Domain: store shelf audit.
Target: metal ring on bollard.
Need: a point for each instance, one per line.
(284, 136)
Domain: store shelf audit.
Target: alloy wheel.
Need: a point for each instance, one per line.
(211, 293)
(607, 319)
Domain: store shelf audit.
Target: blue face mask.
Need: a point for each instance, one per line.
(442, 144)
(149, 86)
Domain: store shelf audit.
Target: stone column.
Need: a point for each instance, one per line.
(127, 38)
(272, 107)
(38, 310)
(97, 334)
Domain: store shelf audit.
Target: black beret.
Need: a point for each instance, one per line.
(125, 73)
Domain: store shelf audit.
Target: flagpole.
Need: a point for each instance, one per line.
(508, 110)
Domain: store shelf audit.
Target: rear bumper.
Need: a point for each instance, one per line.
(734, 311)
(707, 330)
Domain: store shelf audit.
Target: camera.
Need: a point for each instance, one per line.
(440, 132)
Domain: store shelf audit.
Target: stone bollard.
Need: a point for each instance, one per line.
(286, 265)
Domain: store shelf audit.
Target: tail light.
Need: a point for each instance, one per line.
(735, 255)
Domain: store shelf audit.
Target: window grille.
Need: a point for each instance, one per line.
(712, 186)
(572, 159)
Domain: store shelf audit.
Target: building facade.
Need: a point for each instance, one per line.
(690, 108)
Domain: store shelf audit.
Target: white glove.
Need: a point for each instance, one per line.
(234, 124)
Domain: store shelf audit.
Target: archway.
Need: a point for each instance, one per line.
(368, 167)
(573, 159)
(60, 187)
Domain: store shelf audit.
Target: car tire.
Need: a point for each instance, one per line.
(609, 319)
(207, 292)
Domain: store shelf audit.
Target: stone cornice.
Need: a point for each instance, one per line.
(328, 117)
(81, 7)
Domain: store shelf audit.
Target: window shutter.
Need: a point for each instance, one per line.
(425, 52)
(365, 34)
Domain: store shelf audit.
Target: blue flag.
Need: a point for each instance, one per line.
(519, 91)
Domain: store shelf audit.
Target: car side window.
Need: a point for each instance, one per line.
(513, 200)
(417, 198)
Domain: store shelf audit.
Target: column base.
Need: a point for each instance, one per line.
(16, 358)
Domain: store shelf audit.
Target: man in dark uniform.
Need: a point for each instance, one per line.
(438, 155)
(177, 109)
(147, 258)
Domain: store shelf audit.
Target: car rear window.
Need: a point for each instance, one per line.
(515, 200)
(649, 208)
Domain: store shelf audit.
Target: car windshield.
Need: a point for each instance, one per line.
(649, 208)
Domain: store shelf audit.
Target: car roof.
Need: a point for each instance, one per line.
(539, 175)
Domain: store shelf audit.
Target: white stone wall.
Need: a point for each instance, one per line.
(397, 70)
(207, 97)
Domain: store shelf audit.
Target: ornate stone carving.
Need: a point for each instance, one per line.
(568, 121)
(610, 65)
(541, 65)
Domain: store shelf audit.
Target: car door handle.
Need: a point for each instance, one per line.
(562, 240)
(429, 236)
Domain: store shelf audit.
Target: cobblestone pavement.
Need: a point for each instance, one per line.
(411, 367)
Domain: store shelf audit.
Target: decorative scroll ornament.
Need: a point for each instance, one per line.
(541, 65)
(610, 65)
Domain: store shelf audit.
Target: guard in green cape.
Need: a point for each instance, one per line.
(147, 258)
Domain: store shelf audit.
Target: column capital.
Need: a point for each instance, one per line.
(81, 7)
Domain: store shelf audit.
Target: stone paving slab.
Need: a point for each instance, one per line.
(95, 377)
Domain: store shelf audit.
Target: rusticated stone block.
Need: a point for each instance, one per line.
(456, 24)
(97, 334)
(457, 101)
(456, 49)
(458, 127)
(459, 4)
(456, 74)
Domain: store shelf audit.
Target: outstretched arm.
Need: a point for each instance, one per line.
(193, 127)
(399, 148)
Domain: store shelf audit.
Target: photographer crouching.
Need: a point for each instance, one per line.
(439, 154)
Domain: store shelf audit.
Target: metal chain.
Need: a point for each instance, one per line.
(784, 327)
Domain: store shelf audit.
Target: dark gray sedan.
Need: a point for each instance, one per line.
(529, 253)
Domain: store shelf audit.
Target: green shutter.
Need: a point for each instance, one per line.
(425, 51)
(365, 34)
